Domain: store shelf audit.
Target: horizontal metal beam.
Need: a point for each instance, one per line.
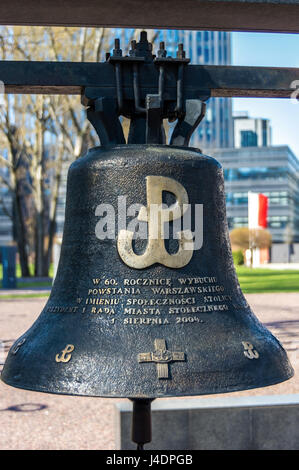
(229, 15)
(72, 77)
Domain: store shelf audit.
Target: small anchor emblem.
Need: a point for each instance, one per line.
(249, 352)
(18, 345)
(65, 355)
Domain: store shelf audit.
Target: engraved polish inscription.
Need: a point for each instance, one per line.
(150, 301)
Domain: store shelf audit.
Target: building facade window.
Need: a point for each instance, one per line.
(278, 221)
(207, 55)
(240, 222)
(248, 139)
(255, 173)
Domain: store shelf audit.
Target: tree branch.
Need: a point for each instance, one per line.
(5, 162)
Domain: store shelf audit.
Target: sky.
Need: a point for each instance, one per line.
(270, 50)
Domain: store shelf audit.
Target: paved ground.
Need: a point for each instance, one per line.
(30, 420)
(25, 291)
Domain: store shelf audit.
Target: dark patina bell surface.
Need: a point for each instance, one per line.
(140, 319)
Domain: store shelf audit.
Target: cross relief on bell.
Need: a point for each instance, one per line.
(162, 357)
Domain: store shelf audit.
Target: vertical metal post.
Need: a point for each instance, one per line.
(141, 422)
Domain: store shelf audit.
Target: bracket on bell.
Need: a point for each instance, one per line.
(194, 114)
(103, 115)
(145, 109)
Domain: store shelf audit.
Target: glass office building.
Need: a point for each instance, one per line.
(273, 171)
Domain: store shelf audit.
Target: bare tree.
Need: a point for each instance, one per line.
(39, 133)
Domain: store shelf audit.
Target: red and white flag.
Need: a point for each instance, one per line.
(257, 210)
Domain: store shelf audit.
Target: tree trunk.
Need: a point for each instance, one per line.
(39, 249)
(40, 198)
(21, 236)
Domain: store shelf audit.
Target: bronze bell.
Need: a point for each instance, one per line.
(137, 318)
(146, 302)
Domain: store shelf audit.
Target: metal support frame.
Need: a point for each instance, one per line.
(218, 15)
(146, 89)
(70, 78)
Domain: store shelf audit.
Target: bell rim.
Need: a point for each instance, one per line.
(232, 389)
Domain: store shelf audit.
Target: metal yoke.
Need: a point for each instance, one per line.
(146, 115)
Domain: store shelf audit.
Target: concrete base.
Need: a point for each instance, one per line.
(284, 253)
(240, 423)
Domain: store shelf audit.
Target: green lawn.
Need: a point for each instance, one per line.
(18, 270)
(30, 283)
(268, 280)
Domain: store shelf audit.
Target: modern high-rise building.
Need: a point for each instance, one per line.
(251, 132)
(212, 48)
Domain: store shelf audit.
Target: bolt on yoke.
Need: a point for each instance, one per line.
(145, 109)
